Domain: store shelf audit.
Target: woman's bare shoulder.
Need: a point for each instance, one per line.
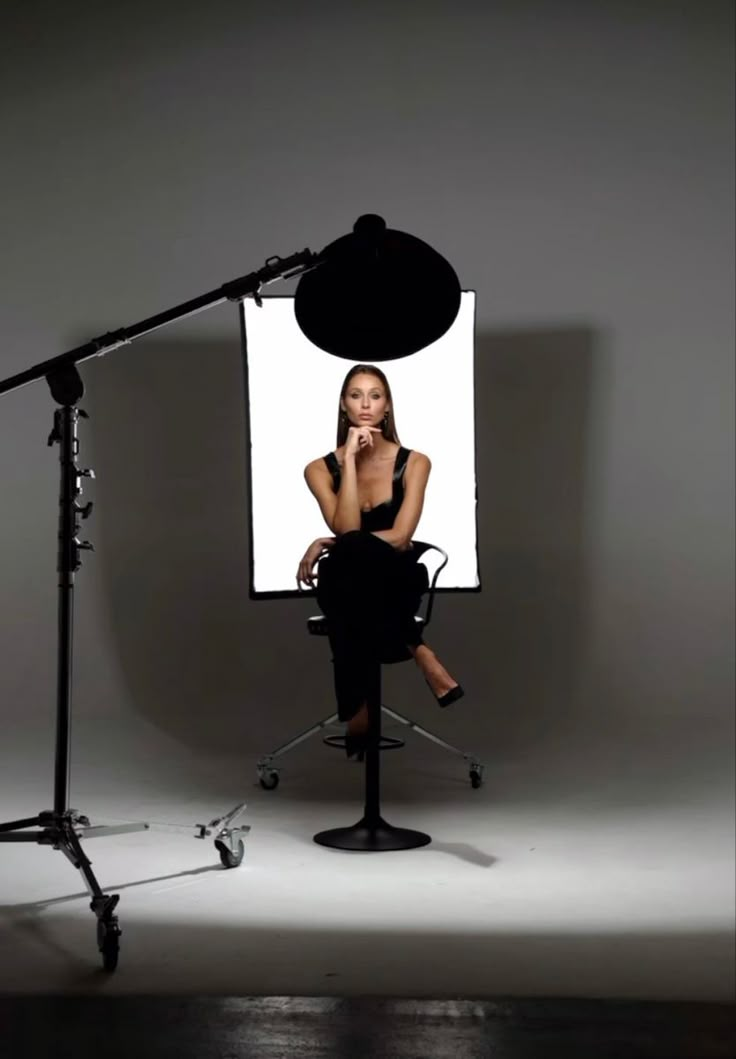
(418, 459)
(319, 461)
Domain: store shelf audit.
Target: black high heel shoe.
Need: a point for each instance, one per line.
(357, 744)
(450, 696)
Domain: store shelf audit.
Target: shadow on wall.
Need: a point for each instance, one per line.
(209, 666)
(533, 425)
(167, 433)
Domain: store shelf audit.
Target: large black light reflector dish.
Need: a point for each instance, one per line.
(292, 390)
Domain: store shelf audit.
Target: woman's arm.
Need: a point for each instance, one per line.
(394, 538)
(319, 481)
(407, 517)
(347, 512)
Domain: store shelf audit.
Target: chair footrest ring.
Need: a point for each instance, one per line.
(387, 742)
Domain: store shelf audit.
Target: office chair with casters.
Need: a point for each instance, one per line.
(268, 772)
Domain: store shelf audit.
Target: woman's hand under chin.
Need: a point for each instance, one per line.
(360, 439)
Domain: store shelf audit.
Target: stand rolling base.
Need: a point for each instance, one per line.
(64, 831)
(372, 836)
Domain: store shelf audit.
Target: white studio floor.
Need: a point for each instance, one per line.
(581, 872)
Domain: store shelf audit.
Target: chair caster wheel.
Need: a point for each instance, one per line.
(230, 858)
(269, 780)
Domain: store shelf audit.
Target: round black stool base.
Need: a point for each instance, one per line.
(372, 837)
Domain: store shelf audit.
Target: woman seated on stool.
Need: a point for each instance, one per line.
(371, 492)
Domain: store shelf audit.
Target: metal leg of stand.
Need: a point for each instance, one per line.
(476, 769)
(16, 825)
(63, 831)
(103, 905)
(268, 775)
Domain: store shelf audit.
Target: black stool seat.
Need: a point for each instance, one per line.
(317, 625)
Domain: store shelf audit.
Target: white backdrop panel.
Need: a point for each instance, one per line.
(293, 393)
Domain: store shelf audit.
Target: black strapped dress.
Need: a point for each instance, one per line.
(369, 592)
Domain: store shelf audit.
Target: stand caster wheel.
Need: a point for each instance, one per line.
(230, 858)
(269, 781)
(107, 942)
(475, 779)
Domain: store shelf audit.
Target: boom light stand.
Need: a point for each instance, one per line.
(376, 290)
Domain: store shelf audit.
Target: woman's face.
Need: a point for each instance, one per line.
(365, 397)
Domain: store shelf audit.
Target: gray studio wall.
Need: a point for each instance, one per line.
(573, 161)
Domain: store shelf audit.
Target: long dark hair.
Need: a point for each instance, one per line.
(388, 426)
